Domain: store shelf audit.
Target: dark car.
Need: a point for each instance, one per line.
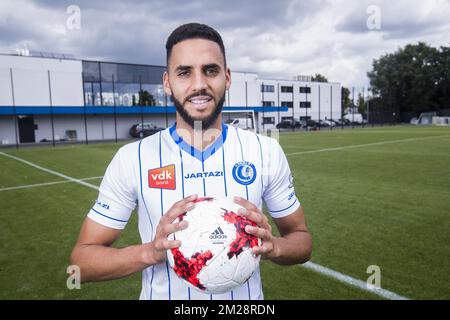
(288, 124)
(310, 123)
(140, 130)
(285, 124)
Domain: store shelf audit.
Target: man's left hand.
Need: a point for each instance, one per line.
(268, 248)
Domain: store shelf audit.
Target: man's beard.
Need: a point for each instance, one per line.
(206, 122)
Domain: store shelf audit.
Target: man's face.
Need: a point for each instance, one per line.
(197, 80)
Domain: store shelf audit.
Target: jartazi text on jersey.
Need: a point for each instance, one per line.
(204, 174)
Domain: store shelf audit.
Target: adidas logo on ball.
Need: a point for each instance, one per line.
(218, 234)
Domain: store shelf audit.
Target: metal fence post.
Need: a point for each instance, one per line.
(115, 114)
(14, 108)
(51, 107)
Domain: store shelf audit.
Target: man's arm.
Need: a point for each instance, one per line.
(295, 244)
(98, 261)
(292, 247)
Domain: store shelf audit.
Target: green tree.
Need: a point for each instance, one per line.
(443, 82)
(361, 104)
(413, 79)
(319, 78)
(346, 102)
(145, 98)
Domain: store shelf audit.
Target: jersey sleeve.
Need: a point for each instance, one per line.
(117, 197)
(279, 194)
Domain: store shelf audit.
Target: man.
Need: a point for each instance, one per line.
(166, 172)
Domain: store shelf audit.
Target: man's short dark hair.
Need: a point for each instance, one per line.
(193, 31)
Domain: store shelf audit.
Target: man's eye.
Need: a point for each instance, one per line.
(211, 71)
(183, 73)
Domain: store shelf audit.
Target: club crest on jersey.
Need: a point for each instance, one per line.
(244, 172)
(162, 178)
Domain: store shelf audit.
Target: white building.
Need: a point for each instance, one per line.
(46, 98)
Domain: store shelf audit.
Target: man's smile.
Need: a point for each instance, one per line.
(200, 102)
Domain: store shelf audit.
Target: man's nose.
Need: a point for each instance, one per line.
(199, 82)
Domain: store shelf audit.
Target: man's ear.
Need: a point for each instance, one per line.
(228, 78)
(166, 84)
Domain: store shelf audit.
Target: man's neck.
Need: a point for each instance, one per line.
(199, 139)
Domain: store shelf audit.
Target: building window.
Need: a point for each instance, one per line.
(305, 104)
(287, 89)
(288, 104)
(269, 120)
(268, 103)
(151, 95)
(108, 97)
(92, 94)
(121, 84)
(267, 88)
(305, 89)
(128, 94)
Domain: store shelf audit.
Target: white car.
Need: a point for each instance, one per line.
(354, 117)
(242, 123)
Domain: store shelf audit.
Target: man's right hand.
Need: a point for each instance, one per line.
(156, 251)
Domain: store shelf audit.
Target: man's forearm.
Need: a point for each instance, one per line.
(100, 263)
(293, 248)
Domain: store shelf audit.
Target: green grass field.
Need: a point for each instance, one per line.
(374, 196)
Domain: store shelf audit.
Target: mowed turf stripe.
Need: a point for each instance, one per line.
(45, 184)
(352, 281)
(86, 184)
(365, 145)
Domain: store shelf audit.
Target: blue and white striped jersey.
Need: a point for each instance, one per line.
(161, 169)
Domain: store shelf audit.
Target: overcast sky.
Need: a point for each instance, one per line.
(283, 38)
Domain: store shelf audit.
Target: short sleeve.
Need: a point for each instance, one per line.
(279, 194)
(117, 197)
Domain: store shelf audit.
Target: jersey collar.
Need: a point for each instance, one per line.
(200, 155)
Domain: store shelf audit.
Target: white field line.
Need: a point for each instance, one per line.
(86, 184)
(364, 145)
(45, 184)
(352, 281)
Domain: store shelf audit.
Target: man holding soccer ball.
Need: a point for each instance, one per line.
(199, 156)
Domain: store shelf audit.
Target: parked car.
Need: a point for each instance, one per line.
(354, 118)
(243, 123)
(309, 123)
(146, 129)
(337, 122)
(289, 124)
(346, 122)
(325, 123)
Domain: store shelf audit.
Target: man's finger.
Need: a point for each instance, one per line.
(258, 232)
(173, 227)
(170, 244)
(255, 216)
(179, 208)
(245, 203)
(166, 244)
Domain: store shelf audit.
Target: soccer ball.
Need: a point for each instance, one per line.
(215, 255)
